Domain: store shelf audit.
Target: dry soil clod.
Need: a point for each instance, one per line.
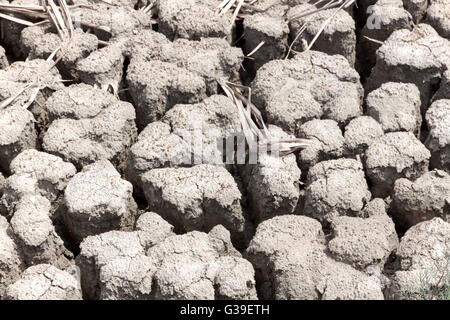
(197, 198)
(97, 200)
(295, 247)
(392, 156)
(438, 140)
(423, 199)
(419, 56)
(311, 85)
(396, 106)
(44, 282)
(438, 16)
(89, 124)
(335, 187)
(128, 168)
(422, 261)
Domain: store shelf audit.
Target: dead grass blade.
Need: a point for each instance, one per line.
(66, 16)
(59, 15)
(148, 7)
(16, 20)
(58, 20)
(226, 5)
(374, 40)
(256, 49)
(11, 99)
(92, 26)
(20, 6)
(32, 97)
(48, 10)
(107, 2)
(257, 133)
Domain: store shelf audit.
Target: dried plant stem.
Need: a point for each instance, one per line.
(338, 4)
(238, 5)
(257, 133)
(48, 10)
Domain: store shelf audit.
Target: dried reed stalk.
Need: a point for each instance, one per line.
(253, 126)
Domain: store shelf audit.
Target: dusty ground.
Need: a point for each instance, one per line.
(120, 177)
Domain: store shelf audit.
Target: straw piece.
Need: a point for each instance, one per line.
(254, 134)
(16, 20)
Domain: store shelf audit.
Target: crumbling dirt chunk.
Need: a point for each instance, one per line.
(35, 173)
(127, 278)
(196, 198)
(97, 200)
(128, 4)
(41, 41)
(392, 156)
(18, 86)
(162, 74)
(128, 170)
(152, 228)
(288, 254)
(19, 74)
(192, 19)
(272, 184)
(268, 23)
(201, 266)
(51, 172)
(419, 56)
(438, 16)
(16, 187)
(79, 101)
(336, 187)
(89, 124)
(20, 81)
(438, 140)
(364, 242)
(97, 251)
(11, 264)
(44, 282)
(309, 86)
(423, 199)
(273, 31)
(103, 67)
(110, 21)
(396, 106)
(195, 265)
(211, 58)
(18, 134)
(156, 147)
(150, 81)
(360, 133)
(421, 261)
(276, 7)
(338, 36)
(11, 30)
(384, 17)
(186, 135)
(35, 235)
(326, 139)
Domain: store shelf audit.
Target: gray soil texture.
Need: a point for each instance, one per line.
(127, 172)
